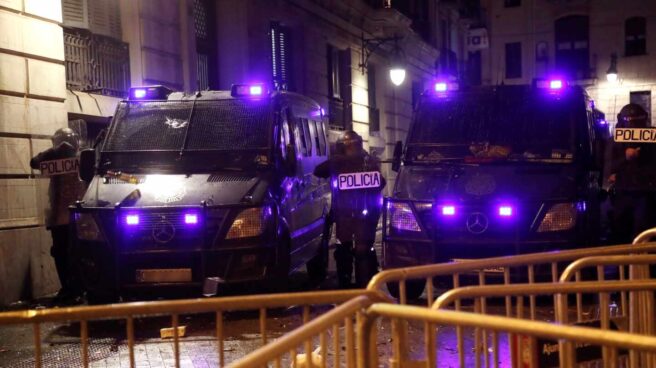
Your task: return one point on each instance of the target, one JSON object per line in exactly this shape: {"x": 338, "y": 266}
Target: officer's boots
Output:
{"x": 344, "y": 264}
{"x": 366, "y": 266}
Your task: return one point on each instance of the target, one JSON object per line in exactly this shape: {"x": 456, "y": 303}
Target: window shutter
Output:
{"x": 75, "y": 13}
{"x": 104, "y": 18}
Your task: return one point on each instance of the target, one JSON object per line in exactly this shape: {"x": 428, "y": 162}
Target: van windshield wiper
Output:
{"x": 186, "y": 137}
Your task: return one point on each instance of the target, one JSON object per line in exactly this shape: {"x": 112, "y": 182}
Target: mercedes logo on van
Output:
{"x": 477, "y": 223}
{"x": 163, "y": 232}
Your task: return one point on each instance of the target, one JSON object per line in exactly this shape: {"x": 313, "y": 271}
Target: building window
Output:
{"x": 642, "y": 98}
{"x": 572, "y": 46}
{"x": 281, "y": 56}
{"x": 374, "y": 113}
{"x": 635, "y": 36}
{"x": 205, "y": 44}
{"x": 332, "y": 61}
{"x": 514, "y": 60}
{"x": 512, "y": 3}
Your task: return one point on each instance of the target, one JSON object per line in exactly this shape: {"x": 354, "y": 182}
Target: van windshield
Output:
{"x": 220, "y": 125}
{"x": 492, "y": 126}
{"x": 183, "y": 136}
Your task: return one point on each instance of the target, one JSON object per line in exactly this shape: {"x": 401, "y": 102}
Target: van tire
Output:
{"x": 101, "y": 297}
{"x": 317, "y": 267}
{"x": 413, "y": 289}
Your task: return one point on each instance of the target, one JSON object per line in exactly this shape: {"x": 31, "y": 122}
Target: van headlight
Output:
{"x": 250, "y": 222}
{"x": 402, "y": 217}
{"x": 560, "y": 217}
{"x": 87, "y": 228}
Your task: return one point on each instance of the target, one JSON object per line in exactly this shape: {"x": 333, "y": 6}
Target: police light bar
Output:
{"x": 442, "y": 87}
{"x": 247, "y": 90}
{"x": 555, "y": 84}
{"x": 149, "y": 93}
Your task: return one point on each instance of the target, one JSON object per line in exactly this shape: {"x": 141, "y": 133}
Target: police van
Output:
{"x": 493, "y": 171}
{"x": 196, "y": 191}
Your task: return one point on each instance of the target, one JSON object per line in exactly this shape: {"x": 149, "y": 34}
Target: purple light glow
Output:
{"x": 556, "y": 84}
{"x": 139, "y": 93}
{"x": 255, "y": 90}
{"x": 448, "y": 210}
{"x": 505, "y": 211}
{"x": 191, "y": 218}
{"x": 132, "y": 220}
{"x": 440, "y": 87}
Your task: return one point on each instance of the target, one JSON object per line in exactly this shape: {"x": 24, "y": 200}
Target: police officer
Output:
{"x": 63, "y": 191}
{"x": 633, "y": 177}
{"x": 355, "y": 211}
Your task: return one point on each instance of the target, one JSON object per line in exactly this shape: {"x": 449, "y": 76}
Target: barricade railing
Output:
{"x": 129, "y": 312}
{"x": 478, "y": 295}
{"x": 285, "y": 350}
{"x": 617, "y": 343}
{"x": 500, "y": 269}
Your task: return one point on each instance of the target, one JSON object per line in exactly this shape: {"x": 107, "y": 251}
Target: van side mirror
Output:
{"x": 87, "y": 164}
{"x": 290, "y": 161}
{"x": 398, "y": 151}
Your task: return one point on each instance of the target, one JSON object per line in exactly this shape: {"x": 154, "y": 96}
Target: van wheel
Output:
{"x": 279, "y": 281}
{"x": 413, "y": 289}
{"x": 98, "y": 297}
{"x": 317, "y": 267}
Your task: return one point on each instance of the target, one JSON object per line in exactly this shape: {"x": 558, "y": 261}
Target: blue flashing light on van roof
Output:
{"x": 149, "y": 93}
{"x": 555, "y": 84}
{"x": 441, "y": 87}
{"x": 247, "y": 90}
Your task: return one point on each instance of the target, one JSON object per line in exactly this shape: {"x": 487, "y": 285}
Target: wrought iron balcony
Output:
{"x": 96, "y": 63}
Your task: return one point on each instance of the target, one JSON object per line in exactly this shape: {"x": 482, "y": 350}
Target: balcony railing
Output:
{"x": 96, "y": 63}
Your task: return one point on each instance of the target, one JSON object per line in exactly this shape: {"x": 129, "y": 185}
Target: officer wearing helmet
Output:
{"x": 63, "y": 191}
{"x": 355, "y": 210}
{"x": 633, "y": 179}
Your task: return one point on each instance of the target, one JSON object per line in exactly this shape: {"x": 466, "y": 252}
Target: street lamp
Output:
{"x": 611, "y": 73}
{"x": 397, "y": 69}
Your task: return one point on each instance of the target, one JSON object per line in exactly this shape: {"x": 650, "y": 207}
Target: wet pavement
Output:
{"x": 198, "y": 348}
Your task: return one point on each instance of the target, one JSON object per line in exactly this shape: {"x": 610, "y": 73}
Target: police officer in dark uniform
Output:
{"x": 633, "y": 177}
{"x": 355, "y": 211}
{"x": 63, "y": 191}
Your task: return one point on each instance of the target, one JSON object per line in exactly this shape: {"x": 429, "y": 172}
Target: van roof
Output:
{"x": 225, "y": 95}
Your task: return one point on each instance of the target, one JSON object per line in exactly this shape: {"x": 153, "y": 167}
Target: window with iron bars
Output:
{"x": 96, "y": 63}
{"x": 205, "y": 44}
{"x": 281, "y": 54}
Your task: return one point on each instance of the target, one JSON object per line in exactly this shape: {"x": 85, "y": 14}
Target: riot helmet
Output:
{"x": 65, "y": 135}
{"x": 352, "y": 143}
{"x": 632, "y": 116}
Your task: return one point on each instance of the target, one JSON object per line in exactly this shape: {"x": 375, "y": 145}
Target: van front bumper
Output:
{"x": 123, "y": 272}
{"x": 407, "y": 253}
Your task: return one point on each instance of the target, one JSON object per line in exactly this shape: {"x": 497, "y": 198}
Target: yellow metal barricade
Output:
{"x": 131, "y": 312}
{"x": 478, "y": 295}
{"x": 497, "y": 269}
{"x": 615, "y": 342}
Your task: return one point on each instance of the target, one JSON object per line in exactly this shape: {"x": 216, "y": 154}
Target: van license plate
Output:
{"x": 163, "y": 275}
{"x": 359, "y": 180}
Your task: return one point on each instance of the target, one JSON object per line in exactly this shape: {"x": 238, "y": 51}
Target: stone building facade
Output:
{"x": 577, "y": 39}
{"x": 69, "y": 60}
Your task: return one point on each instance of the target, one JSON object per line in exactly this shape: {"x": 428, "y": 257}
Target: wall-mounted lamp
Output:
{"x": 397, "y": 69}
{"x": 611, "y": 73}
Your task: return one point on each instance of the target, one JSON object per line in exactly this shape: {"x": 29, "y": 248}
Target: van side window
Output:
{"x": 320, "y": 138}
{"x": 285, "y": 138}
{"x": 301, "y": 140}
{"x": 306, "y": 136}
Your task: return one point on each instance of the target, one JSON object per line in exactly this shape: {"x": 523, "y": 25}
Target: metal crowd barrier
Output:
{"x": 283, "y": 351}
{"x": 129, "y": 312}
{"x": 479, "y": 296}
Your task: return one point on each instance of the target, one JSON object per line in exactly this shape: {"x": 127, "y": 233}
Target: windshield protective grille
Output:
{"x": 215, "y": 125}
{"x": 242, "y": 126}
{"x": 149, "y": 126}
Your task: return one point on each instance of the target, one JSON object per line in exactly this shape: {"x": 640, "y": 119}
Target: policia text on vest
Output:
{"x": 635, "y": 135}
{"x": 359, "y": 180}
